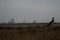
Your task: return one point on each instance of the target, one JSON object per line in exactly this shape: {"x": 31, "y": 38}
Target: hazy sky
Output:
{"x": 29, "y": 10}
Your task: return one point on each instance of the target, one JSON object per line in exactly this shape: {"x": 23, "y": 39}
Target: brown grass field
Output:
{"x": 29, "y": 32}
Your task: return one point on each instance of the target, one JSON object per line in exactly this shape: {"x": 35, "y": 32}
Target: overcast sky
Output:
{"x": 29, "y": 10}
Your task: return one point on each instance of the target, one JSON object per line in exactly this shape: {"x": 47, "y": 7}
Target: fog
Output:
{"x": 29, "y": 10}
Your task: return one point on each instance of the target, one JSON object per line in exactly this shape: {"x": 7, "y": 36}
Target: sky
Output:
{"x": 29, "y": 10}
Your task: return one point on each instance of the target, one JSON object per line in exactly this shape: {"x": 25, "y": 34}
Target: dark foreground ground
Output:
{"x": 30, "y": 33}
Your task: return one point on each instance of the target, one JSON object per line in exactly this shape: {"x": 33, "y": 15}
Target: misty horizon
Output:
{"x": 29, "y": 10}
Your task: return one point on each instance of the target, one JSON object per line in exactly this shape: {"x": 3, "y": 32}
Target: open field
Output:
{"x": 29, "y": 32}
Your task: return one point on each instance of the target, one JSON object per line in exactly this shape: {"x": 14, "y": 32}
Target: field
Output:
{"x": 29, "y": 32}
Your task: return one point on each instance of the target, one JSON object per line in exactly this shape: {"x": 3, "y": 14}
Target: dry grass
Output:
{"x": 30, "y": 33}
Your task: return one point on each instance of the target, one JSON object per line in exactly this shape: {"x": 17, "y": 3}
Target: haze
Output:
{"x": 29, "y": 10}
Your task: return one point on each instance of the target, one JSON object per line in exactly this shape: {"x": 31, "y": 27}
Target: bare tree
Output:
{"x": 12, "y": 20}
{"x": 24, "y": 21}
{"x": 8, "y": 22}
{"x": 34, "y": 21}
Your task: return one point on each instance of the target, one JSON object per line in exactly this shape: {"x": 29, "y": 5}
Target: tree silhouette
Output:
{"x": 12, "y": 20}
{"x": 34, "y": 21}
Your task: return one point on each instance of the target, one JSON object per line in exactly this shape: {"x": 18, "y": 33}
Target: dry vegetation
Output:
{"x": 30, "y": 33}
